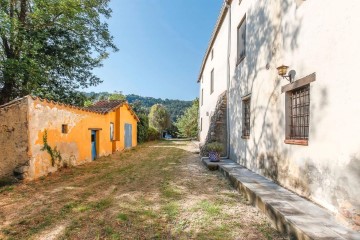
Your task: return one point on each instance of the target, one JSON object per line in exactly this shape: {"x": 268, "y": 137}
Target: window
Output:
{"x": 246, "y": 117}
{"x": 64, "y": 128}
{"x": 202, "y": 97}
{"x": 241, "y": 40}
{"x": 212, "y": 82}
{"x": 111, "y": 131}
{"x": 212, "y": 54}
{"x": 299, "y": 100}
{"x": 297, "y": 110}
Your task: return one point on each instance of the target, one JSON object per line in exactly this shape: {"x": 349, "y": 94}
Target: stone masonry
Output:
{"x": 14, "y": 138}
{"x": 218, "y": 124}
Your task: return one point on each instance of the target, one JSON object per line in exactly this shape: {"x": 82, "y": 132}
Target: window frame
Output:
{"x": 64, "y": 128}
{"x": 202, "y": 96}
{"x": 112, "y": 131}
{"x": 246, "y": 117}
{"x": 238, "y": 52}
{"x": 289, "y": 91}
{"x": 212, "y": 81}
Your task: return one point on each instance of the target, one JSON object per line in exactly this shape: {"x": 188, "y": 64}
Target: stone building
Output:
{"x": 39, "y": 136}
{"x": 298, "y": 129}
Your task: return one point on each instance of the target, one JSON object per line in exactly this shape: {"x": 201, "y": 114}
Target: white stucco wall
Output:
{"x": 310, "y": 36}
{"x": 219, "y": 64}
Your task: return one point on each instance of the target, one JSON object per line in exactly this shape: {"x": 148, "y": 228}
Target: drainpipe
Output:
{"x": 228, "y": 82}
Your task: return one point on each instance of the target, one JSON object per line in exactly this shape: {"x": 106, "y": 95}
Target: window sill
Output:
{"x": 245, "y": 137}
{"x": 297, "y": 142}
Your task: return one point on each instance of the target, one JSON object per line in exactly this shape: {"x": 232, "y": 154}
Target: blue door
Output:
{"x": 93, "y": 145}
{"x": 128, "y": 135}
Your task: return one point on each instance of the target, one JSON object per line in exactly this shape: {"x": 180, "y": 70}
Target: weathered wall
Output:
{"x": 74, "y": 146}
{"x": 218, "y": 126}
{"x": 309, "y": 36}
{"x": 219, "y": 64}
{"x": 13, "y": 136}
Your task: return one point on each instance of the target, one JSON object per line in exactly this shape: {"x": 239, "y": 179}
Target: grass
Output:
{"x": 209, "y": 208}
{"x": 6, "y": 189}
{"x": 170, "y": 192}
{"x": 171, "y": 209}
{"x": 150, "y": 192}
{"x": 102, "y": 204}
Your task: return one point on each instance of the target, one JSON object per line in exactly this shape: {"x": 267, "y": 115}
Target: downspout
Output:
{"x": 228, "y": 82}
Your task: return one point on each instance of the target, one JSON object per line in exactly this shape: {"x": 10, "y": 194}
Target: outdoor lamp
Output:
{"x": 282, "y": 70}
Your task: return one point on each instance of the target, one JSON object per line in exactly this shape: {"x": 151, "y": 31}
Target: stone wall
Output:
{"x": 218, "y": 124}
{"x": 14, "y": 137}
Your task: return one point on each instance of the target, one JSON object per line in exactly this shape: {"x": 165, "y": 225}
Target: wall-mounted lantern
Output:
{"x": 282, "y": 70}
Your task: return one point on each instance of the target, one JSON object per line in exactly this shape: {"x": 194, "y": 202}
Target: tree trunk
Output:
{"x": 7, "y": 92}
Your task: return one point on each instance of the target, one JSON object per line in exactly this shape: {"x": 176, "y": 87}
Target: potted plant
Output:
{"x": 214, "y": 150}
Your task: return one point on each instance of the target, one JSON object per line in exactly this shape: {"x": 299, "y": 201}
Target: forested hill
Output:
{"x": 175, "y": 107}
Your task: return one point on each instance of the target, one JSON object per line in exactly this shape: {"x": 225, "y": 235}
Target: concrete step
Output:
{"x": 212, "y": 166}
{"x": 289, "y": 212}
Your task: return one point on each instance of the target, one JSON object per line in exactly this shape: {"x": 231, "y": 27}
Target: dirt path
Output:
{"x": 158, "y": 190}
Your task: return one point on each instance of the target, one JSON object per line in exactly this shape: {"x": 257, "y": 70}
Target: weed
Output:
{"x": 210, "y": 208}
{"x": 149, "y": 213}
{"x": 6, "y": 189}
{"x": 266, "y": 230}
{"x": 171, "y": 209}
{"x": 169, "y": 191}
{"x": 122, "y": 217}
{"x": 219, "y": 232}
{"x": 102, "y": 204}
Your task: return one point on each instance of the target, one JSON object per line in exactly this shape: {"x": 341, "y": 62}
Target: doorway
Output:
{"x": 93, "y": 144}
{"x": 128, "y": 135}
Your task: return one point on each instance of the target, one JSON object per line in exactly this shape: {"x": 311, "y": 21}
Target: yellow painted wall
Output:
{"x": 74, "y": 146}
{"x": 127, "y": 117}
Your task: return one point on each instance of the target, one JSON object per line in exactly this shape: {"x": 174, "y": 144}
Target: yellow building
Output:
{"x": 39, "y": 136}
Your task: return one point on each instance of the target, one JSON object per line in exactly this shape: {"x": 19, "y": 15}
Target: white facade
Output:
{"x": 320, "y": 37}
{"x": 216, "y": 62}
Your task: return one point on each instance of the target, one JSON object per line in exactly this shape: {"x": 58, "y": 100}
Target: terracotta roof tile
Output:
{"x": 105, "y": 106}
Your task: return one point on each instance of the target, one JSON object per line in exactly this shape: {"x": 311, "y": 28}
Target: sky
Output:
{"x": 161, "y": 46}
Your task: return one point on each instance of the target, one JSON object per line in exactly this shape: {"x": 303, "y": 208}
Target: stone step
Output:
{"x": 289, "y": 212}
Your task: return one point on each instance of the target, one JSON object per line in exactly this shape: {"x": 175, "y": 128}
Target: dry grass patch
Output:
{"x": 158, "y": 190}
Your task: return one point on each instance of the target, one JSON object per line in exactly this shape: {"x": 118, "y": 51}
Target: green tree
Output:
{"x": 143, "y": 128}
{"x": 117, "y": 95}
{"x": 143, "y": 125}
{"x": 50, "y": 47}
{"x": 159, "y": 118}
{"x": 187, "y": 124}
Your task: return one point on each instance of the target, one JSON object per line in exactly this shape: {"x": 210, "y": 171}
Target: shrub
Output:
{"x": 143, "y": 128}
{"x": 214, "y": 147}
{"x": 153, "y": 134}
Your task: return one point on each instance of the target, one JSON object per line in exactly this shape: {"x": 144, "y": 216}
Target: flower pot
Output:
{"x": 214, "y": 157}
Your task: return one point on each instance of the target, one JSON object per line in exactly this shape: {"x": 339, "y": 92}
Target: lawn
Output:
{"x": 158, "y": 190}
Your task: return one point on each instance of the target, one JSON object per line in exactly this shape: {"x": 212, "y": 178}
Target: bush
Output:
{"x": 214, "y": 147}
{"x": 143, "y": 128}
{"x": 153, "y": 134}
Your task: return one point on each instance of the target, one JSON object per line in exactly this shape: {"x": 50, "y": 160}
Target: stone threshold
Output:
{"x": 289, "y": 213}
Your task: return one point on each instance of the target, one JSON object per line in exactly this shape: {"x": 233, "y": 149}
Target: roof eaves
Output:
{"x": 13, "y": 102}
{"x": 65, "y": 105}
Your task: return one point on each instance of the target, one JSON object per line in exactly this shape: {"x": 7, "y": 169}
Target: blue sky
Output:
{"x": 162, "y": 43}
